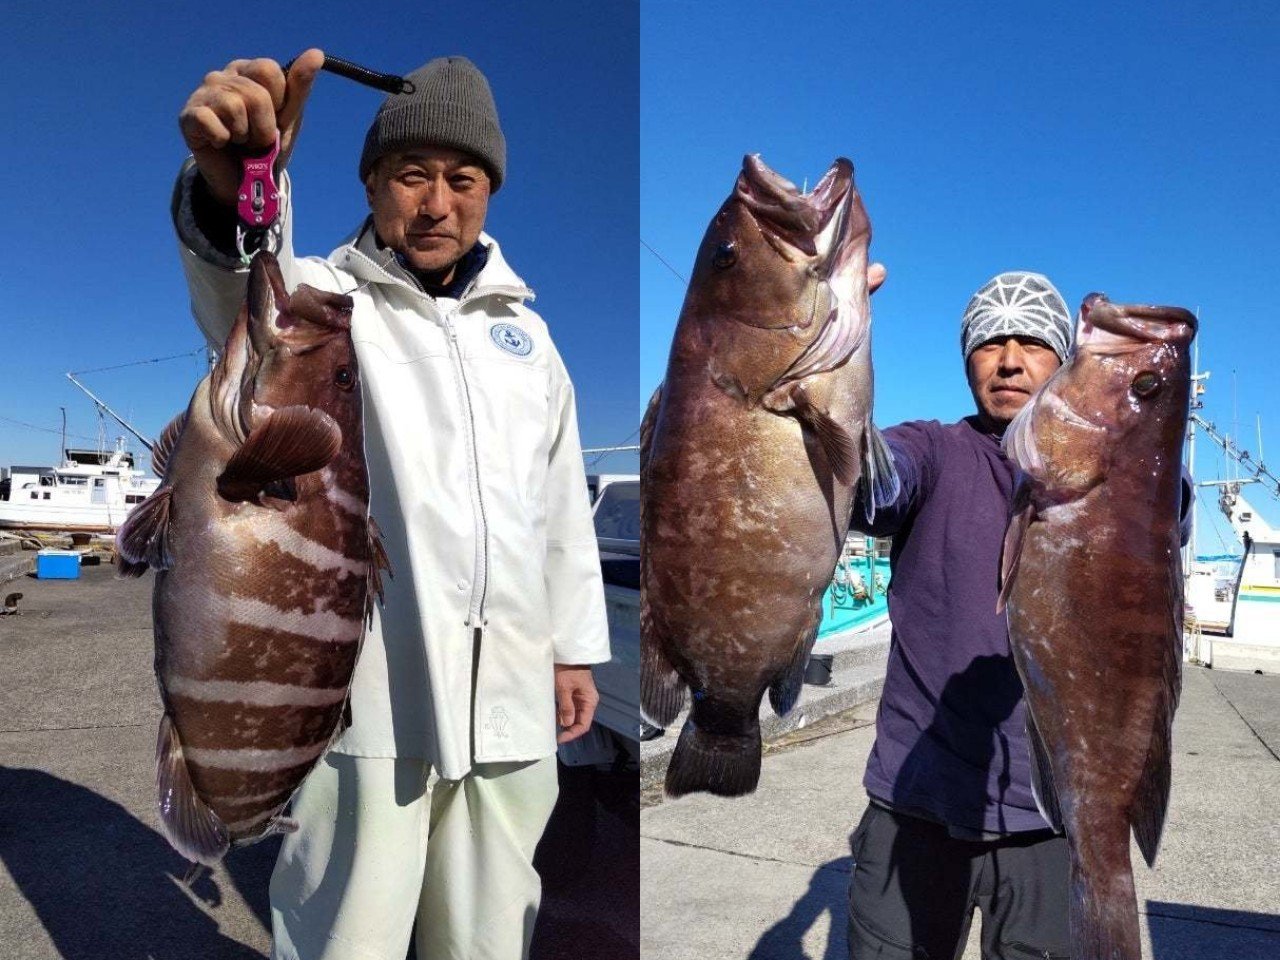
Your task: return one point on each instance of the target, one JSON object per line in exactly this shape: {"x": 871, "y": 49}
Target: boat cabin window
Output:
{"x": 1276, "y": 554}
{"x": 133, "y": 498}
{"x": 98, "y": 483}
{"x": 46, "y": 481}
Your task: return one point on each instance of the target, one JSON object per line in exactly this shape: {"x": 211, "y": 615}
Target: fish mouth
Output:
{"x": 304, "y": 320}
{"x": 1103, "y": 323}
{"x": 820, "y": 223}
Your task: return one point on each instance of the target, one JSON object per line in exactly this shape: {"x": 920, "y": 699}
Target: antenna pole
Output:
{"x": 149, "y": 444}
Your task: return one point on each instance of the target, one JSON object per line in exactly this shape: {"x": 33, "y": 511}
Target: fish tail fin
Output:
{"x": 1104, "y": 907}
{"x": 706, "y": 759}
{"x": 191, "y": 827}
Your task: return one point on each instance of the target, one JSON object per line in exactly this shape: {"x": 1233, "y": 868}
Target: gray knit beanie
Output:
{"x": 451, "y": 106}
{"x": 1017, "y": 304}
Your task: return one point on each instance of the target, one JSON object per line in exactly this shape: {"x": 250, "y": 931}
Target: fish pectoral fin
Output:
{"x": 191, "y": 827}
{"x": 837, "y": 444}
{"x": 289, "y": 442}
{"x": 143, "y": 539}
{"x": 1042, "y": 788}
{"x": 163, "y": 450}
{"x": 879, "y": 485}
{"x": 1023, "y": 512}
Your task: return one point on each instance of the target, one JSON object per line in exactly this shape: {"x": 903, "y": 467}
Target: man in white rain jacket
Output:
{"x": 430, "y": 805}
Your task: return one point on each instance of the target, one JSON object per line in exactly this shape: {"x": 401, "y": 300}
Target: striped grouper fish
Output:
{"x": 266, "y": 564}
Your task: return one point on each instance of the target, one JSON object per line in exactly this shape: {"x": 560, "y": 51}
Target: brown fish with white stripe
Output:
{"x": 267, "y": 563}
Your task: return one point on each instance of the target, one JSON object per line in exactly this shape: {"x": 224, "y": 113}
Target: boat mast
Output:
{"x": 1197, "y": 390}
{"x": 149, "y": 444}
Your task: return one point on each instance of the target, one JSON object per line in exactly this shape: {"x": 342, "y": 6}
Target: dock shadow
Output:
{"x": 1181, "y": 931}
{"x": 828, "y": 894}
{"x": 103, "y": 883}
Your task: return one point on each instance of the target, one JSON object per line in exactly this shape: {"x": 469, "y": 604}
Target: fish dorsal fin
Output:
{"x": 1151, "y": 799}
{"x": 289, "y": 442}
{"x": 378, "y": 561}
{"x": 646, "y": 427}
{"x": 839, "y": 447}
{"x": 1042, "y": 788}
{"x": 163, "y": 450}
{"x": 879, "y": 485}
{"x": 1022, "y": 513}
{"x": 143, "y": 539}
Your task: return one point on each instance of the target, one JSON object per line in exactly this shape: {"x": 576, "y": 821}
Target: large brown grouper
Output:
{"x": 750, "y": 453}
{"x": 1093, "y": 586}
{"x": 266, "y": 563}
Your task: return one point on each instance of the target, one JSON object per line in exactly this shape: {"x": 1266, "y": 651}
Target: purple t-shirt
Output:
{"x": 951, "y": 739}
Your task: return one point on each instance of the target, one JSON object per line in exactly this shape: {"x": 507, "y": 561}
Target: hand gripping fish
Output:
{"x": 750, "y": 454}
{"x": 1092, "y": 582}
{"x": 266, "y": 564}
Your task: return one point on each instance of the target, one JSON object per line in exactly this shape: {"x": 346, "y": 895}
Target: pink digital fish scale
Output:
{"x": 258, "y": 199}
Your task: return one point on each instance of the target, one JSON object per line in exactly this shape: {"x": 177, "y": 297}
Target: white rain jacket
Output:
{"x": 477, "y": 482}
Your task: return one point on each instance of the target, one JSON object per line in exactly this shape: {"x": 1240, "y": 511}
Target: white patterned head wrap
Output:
{"x": 1017, "y": 304}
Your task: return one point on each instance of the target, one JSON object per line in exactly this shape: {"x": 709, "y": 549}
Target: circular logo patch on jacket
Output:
{"x": 511, "y": 339}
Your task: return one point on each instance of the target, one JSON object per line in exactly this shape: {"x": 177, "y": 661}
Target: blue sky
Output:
{"x": 91, "y": 146}
{"x": 1128, "y": 148}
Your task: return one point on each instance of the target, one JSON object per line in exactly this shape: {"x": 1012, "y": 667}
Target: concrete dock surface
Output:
{"x": 85, "y": 873}
{"x": 765, "y": 877}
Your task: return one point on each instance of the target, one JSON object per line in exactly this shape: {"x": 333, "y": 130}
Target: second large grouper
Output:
{"x": 1093, "y": 586}
{"x": 266, "y": 563}
{"x": 750, "y": 453}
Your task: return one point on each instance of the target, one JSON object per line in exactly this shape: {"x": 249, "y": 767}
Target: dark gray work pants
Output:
{"x": 914, "y": 888}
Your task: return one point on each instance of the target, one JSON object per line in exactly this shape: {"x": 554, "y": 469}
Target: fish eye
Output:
{"x": 726, "y": 255}
{"x": 1146, "y": 383}
{"x": 344, "y": 378}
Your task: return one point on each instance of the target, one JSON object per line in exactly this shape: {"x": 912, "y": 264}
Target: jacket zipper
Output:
{"x": 480, "y": 584}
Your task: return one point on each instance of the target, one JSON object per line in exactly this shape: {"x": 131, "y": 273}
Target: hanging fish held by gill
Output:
{"x": 1092, "y": 582}
{"x": 267, "y": 563}
{"x": 751, "y": 452}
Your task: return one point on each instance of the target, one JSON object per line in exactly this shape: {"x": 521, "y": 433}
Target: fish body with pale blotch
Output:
{"x": 1092, "y": 582}
{"x": 750, "y": 454}
{"x": 266, "y": 566}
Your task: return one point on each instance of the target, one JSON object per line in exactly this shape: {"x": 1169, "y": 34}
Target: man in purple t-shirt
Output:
{"x": 952, "y": 824}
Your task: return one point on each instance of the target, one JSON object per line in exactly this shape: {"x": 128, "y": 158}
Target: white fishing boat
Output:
{"x": 91, "y": 492}
{"x": 1233, "y": 600}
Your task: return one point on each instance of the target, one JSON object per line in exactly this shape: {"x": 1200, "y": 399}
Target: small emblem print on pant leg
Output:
{"x": 497, "y": 723}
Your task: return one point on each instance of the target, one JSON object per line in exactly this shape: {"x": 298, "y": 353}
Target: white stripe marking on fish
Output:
{"x": 254, "y": 693}
{"x": 271, "y": 527}
{"x": 321, "y": 625}
{"x": 251, "y": 758}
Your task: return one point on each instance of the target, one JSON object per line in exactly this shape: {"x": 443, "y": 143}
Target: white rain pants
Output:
{"x": 381, "y": 843}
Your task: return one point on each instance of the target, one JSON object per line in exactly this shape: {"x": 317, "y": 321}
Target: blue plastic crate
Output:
{"x": 57, "y": 565}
